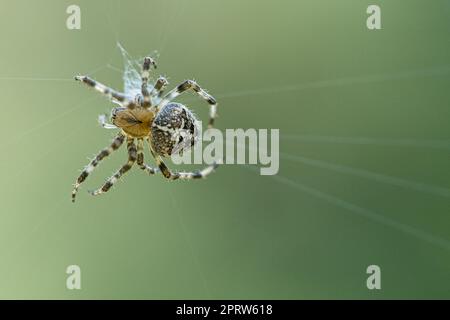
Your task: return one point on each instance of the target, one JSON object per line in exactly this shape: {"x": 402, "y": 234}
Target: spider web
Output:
{"x": 131, "y": 72}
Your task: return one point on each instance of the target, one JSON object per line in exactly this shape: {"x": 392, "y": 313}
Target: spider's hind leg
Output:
{"x": 132, "y": 156}
{"x": 140, "y": 159}
{"x": 173, "y": 175}
{"x": 117, "y": 142}
{"x": 192, "y": 85}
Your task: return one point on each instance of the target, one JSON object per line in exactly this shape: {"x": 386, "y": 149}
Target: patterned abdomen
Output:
{"x": 174, "y": 130}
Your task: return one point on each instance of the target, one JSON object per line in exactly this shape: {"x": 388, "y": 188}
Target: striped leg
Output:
{"x": 190, "y": 84}
{"x": 132, "y": 155}
{"x": 102, "y": 121}
{"x": 140, "y": 159}
{"x": 159, "y": 87}
{"x": 148, "y": 62}
{"x": 197, "y": 174}
{"x": 117, "y": 142}
{"x": 106, "y": 91}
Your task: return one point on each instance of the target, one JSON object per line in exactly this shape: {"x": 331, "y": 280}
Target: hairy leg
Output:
{"x": 132, "y": 155}
{"x": 148, "y": 62}
{"x": 173, "y": 175}
{"x": 107, "y": 91}
{"x": 140, "y": 159}
{"x": 102, "y": 121}
{"x": 192, "y": 85}
{"x": 158, "y": 88}
{"x": 117, "y": 142}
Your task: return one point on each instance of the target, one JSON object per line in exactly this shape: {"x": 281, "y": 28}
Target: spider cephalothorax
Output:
{"x": 168, "y": 127}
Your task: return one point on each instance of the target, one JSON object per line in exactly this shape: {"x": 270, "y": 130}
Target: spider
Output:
{"x": 151, "y": 117}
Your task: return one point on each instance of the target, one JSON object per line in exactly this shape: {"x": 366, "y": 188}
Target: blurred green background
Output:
{"x": 365, "y": 142}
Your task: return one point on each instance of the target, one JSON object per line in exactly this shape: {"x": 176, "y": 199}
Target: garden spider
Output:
{"x": 151, "y": 117}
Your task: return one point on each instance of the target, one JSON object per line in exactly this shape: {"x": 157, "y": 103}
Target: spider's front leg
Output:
{"x": 132, "y": 156}
{"x": 158, "y": 88}
{"x": 110, "y": 93}
{"x": 192, "y": 85}
{"x": 145, "y": 74}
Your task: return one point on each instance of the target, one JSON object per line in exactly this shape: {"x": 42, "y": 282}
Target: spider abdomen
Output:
{"x": 174, "y": 130}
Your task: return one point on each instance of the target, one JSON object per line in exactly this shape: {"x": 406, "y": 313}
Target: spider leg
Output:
{"x": 117, "y": 142}
{"x": 192, "y": 85}
{"x": 106, "y": 91}
{"x": 104, "y": 124}
{"x": 159, "y": 87}
{"x": 148, "y": 62}
{"x": 171, "y": 175}
{"x": 140, "y": 159}
{"x": 132, "y": 155}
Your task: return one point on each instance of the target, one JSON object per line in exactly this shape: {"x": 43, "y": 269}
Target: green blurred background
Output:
{"x": 365, "y": 142}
